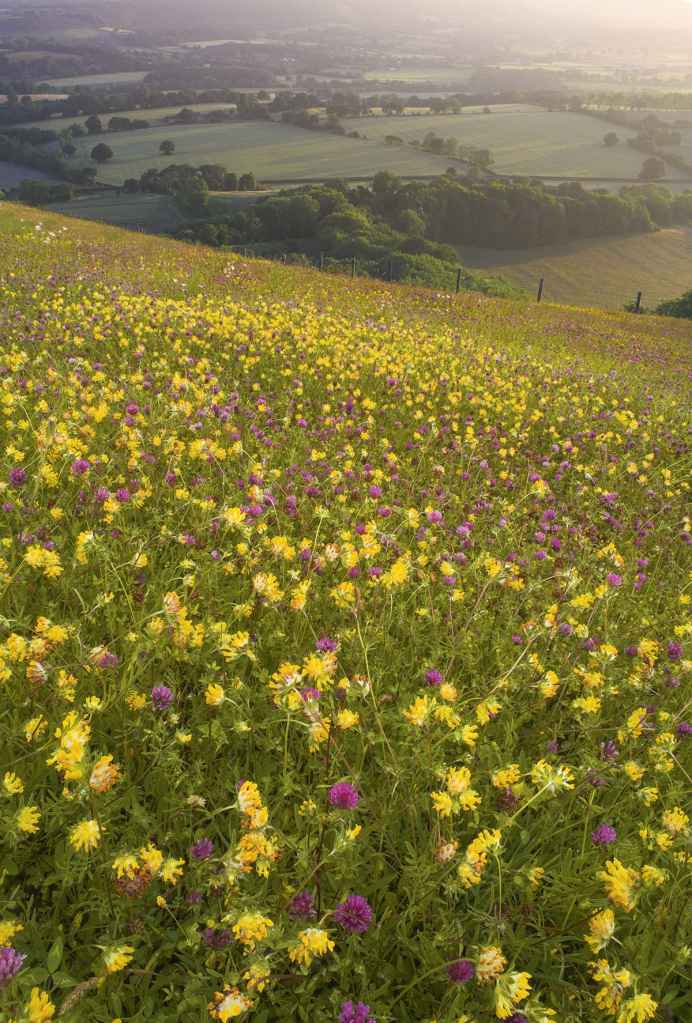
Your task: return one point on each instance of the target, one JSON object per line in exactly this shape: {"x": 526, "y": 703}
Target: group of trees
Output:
{"x": 190, "y": 186}
{"x": 83, "y": 101}
{"x": 480, "y": 158}
{"x": 40, "y": 193}
{"x": 45, "y": 152}
{"x": 417, "y": 218}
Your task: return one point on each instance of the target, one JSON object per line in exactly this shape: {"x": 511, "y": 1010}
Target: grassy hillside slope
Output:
{"x": 343, "y": 645}
{"x": 604, "y": 272}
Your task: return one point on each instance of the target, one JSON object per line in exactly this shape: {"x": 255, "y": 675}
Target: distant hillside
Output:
{"x": 603, "y": 272}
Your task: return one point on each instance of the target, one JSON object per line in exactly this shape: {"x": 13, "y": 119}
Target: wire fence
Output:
{"x": 458, "y": 279}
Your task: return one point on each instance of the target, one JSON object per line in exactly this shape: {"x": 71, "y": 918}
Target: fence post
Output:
{"x": 540, "y": 289}
{"x": 353, "y": 267}
{"x": 458, "y": 280}
{"x": 321, "y": 260}
{"x": 389, "y": 270}
{"x": 638, "y": 303}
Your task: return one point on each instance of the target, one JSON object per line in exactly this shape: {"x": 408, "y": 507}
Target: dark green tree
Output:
{"x": 653, "y": 169}
{"x": 102, "y": 153}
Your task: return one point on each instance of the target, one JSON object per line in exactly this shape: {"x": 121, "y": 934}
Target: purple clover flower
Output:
{"x": 303, "y": 905}
{"x": 604, "y": 835}
{"x": 325, "y": 644}
{"x": 108, "y": 660}
{"x": 161, "y": 697}
{"x": 354, "y": 914}
{"x": 344, "y": 796}
{"x": 216, "y": 939}
{"x": 10, "y": 964}
{"x": 202, "y": 849}
{"x": 17, "y": 477}
{"x": 358, "y": 1013}
{"x": 462, "y": 971}
{"x": 674, "y": 651}
{"x": 433, "y": 677}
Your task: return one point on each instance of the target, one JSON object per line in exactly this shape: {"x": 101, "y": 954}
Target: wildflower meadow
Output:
{"x": 343, "y": 647}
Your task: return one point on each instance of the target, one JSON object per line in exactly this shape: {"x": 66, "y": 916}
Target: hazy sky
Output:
{"x": 576, "y": 17}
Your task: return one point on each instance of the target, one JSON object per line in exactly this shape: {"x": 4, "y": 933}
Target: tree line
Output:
{"x": 448, "y": 211}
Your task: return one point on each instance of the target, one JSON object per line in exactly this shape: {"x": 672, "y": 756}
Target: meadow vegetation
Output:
{"x": 344, "y": 644}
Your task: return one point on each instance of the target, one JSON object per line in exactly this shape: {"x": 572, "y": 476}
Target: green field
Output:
{"x": 116, "y": 77}
{"x": 271, "y": 151}
{"x": 536, "y": 142}
{"x": 416, "y": 73}
{"x": 605, "y": 273}
{"x": 149, "y": 212}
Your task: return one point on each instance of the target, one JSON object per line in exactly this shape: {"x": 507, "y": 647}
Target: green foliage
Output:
{"x": 40, "y": 193}
{"x": 679, "y": 307}
{"x": 192, "y": 195}
{"x": 653, "y": 169}
{"x": 101, "y": 153}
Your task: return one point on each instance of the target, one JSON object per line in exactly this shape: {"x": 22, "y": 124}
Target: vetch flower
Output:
{"x": 85, "y": 836}
{"x": 313, "y": 942}
{"x": 27, "y": 819}
{"x": 117, "y": 958}
{"x": 229, "y": 1004}
{"x": 39, "y": 1008}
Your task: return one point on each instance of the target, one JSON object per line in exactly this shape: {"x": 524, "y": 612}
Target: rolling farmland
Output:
{"x": 522, "y": 142}
{"x": 271, "y": 151}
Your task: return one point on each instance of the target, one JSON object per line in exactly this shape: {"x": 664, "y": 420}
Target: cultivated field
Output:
{"x": 598, "y": 272}
{"x": 107, "y": 78}
{"x": 269, "y": 150}
{"x": 149, "y": 212}
{"x": 523, "y": 142}
{"x": 415, "y": 73}
{"x": 344, "y": 646}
